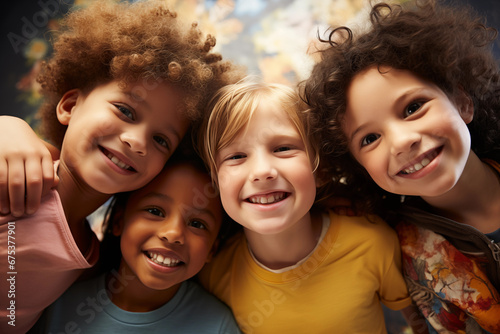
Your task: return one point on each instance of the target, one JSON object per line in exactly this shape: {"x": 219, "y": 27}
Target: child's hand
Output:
{"x": 26, "y": 167}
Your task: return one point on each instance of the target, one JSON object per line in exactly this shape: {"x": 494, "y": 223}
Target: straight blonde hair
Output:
{"x": 232, "y": 109}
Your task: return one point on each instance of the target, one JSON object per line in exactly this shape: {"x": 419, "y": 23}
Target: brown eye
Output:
{"x": 412, "y": 108}
{"x": 367, "y": 140}
{"x": 197, "y": 224}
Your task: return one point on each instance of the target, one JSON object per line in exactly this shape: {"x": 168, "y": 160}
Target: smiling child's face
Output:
{"x": 170, "y": 227}
{"x": 118, "y": 138}
{"x": 406, "y": 132}
{"x": 265, "y": 174}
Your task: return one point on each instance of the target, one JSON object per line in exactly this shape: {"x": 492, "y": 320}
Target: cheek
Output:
{"x": 230, "y": 181}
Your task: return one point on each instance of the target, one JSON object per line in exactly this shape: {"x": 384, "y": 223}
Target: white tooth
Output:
{"x": 425, "y": 162}
{"x": 263, "y": 200}
{"x": 418, "y": 166}
{"x": 270, "y": 199}
{"x": 115, "y": 160}
{"x": 159, "y": 258}
{"x": 166, "y": 261}
{"x": 254, "y": 200}
{"x": 155, "y": 256}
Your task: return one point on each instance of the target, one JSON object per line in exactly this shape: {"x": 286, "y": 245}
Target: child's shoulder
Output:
{"x": 365, "y": 228}
{"x": 209, "y": 310}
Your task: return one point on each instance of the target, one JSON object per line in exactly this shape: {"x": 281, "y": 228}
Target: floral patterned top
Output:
{"x": 451, "y": 289}
{"x": 449, "y": 281}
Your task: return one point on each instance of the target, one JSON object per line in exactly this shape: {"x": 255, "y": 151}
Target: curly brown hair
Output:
{"x": 128, "y": 42}
{"x": 448, "y": 46}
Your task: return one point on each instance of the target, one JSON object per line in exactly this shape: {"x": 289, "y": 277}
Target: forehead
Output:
{"x": 182, "y": 184}
{"x": 268, "y": 118}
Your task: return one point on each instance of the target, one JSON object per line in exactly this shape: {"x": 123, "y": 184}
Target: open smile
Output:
{"x": 268, "y": 198}
{"x": 163, "y": 260}
{"x": 422, "y": 161}
{"x": 114, "y": 159}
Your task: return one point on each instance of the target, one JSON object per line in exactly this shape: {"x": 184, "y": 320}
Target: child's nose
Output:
{"x": 172, "y": 230}
{"x": 136, "y": 140}
{"x": 403, "y": 139}
{"x": 262, "y": 168}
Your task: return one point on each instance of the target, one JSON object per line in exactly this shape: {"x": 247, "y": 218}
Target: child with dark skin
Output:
{"x": 411, "y": 108}
{"x": 125, "y": 84}
{"x": 155, "y": 239}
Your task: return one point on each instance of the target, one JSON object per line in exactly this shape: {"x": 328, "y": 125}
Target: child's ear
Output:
{"x": 66, "y": 104}
{"x": 215, "y": 246}
{"x": 117, "y": 223}
{"x": 465, "y": 106}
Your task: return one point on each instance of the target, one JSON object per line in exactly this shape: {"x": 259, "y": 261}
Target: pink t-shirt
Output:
{"x": 39, "y": 260}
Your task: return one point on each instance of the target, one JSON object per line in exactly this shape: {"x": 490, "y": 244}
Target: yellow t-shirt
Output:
{"x": 337, "y": 289}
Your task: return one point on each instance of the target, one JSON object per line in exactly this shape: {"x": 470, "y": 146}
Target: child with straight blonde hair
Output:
{"x": 294, "y": 268}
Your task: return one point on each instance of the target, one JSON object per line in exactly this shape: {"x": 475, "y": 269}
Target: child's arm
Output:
{"x": 26, "y": 167}
{"x": 415, "y": 319}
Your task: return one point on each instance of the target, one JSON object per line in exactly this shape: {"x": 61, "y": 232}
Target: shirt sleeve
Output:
{"x": 393, "y": 290}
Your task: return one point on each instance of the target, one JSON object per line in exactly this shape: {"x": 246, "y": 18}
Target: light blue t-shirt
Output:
{"x": 86, "y": 308}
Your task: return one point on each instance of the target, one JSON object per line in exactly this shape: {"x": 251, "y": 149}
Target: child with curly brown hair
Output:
{"x": 411, "y": 108}
{"x": 125, "y": 84}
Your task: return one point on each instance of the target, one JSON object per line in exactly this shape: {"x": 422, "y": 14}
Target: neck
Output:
{"x": 131, "y": 295}
{"x": 78, "y": 201}
{"x": 284, "y": 249}
{"x": 474, "y": 200}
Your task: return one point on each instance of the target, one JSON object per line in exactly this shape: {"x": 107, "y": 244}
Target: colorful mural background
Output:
{"x": 274, "y": 39}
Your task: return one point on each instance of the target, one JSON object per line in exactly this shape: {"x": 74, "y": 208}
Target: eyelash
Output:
{"x": 159, "y": 213}
{"x": 125, "y": 111}
{"x": 167, "y": 143}
{"x": 204, "y": 227}
{"x": 419, "y": 103}
{"x": 156, "y": 212}
{"x": 242, "y": 156}
{"x": 129, "y": 114}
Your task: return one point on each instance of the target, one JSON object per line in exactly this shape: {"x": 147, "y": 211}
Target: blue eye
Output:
{"x": 125, "y": 111}
{"x": 236, "y": 157}
{"x": 367, "y": 140}
{"x": 412, "y": 108}
{"x": 155, "y": 212}
{"x": 197, "y": 224}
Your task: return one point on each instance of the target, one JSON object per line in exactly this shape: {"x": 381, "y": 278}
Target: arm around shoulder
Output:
{"x": 26, "y": 167}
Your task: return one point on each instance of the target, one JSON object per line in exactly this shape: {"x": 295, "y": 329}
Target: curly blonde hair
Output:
{"x": 128, "y": 42}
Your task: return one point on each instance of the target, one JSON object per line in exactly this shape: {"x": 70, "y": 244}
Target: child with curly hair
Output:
{"x": 411, "y": 108}
{"x": 125, "y": 83}
{"x": 155, "y": 239}
{"x": 295, "y": 268}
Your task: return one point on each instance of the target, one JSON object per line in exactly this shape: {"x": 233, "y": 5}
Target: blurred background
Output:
{"x": 274, "y": 39}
